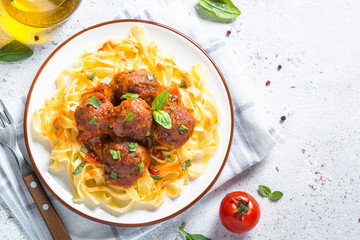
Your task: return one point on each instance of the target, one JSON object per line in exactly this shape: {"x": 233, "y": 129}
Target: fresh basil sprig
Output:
{"x": 160, "y": 101}
{"x": 189, "y": 236}
{"x": 14, "y": 51}
{"x": 224, "y": 9}
{"x": 266, "y": 192}
{"x": 161, "y": 117}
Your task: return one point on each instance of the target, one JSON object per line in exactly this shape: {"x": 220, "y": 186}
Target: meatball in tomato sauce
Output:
{"x": 140, "y": 81}
{"x": 93, "y": 114}
{"x": 132, "y": 118}
{"x": 183, "y": 124}
{"x": 125, "y": 162}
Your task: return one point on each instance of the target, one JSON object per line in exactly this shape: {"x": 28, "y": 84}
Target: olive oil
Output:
{"x": 39, "y": 13}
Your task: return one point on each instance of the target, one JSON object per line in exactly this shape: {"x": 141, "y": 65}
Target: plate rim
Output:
{"x": 111, "y": 222}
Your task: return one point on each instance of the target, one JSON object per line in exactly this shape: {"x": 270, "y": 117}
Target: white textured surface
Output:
{"x": 317, "y": 43}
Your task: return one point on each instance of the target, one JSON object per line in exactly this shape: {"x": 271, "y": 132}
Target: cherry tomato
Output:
{"x": 239, "y": 212}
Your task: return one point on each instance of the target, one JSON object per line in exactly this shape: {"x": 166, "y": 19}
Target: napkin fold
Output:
{"x": 253, "y": 137}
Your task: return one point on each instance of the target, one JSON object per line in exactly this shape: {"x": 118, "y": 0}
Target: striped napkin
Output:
{"x": 253, "y": 139}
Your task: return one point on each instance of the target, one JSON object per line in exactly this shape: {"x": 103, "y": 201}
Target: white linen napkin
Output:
{"x": 253, "y": 136}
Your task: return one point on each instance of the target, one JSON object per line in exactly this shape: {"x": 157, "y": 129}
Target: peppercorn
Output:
{"x": 283, "y": 118}
{"x": 36, "y": 38}
{"x": 279, "y": 67}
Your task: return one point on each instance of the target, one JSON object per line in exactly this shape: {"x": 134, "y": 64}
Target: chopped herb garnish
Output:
{"x": 133, "y": 146}
{"x": 115, "y": 154}
{"x": 183, "y": 85}
{"x": 113, "y": 175}
{"x": 129, "y": 117}
{"x": 84, "y": 150}
{"x": 141, "y": 166}
{"x": 75, "y": 158}
{"x": 169, "y": 158}
{"x": 186, "y": 164}
{"x": 92, "y": 121}
{"x": 147, "y": 133}
{"x": 94, "y": 101}
{"x": 92, "y": 76}
{"x": 129, "y": 95}
{"x": 182, "y": 129}
{"x": 173, "y": 100}
{"x": 149, "y": 77}
{"x": 57, "y": 127}
{"x": 79, "y": 168}
{"x": 106, "y": 80}
{"x": 156, "y": 177}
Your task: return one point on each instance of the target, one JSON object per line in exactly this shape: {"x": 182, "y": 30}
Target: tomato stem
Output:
{"x": 242, "y": 207}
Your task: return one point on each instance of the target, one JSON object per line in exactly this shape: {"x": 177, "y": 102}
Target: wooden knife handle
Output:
{"x": 52, "y": 220}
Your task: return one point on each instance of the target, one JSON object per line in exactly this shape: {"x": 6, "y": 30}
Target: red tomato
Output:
{"x": 239, "y": 216}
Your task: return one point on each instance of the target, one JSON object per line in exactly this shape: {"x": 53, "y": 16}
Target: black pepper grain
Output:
{"x": 279, "y": 67}
{"x": 283, "y": 118}
{"x": 36, "y": 38}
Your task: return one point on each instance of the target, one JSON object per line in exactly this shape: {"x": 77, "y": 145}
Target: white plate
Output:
{"x": 187, "y": 53}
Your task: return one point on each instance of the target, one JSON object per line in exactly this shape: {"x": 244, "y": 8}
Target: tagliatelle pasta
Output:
{"x": 54, "y": 121}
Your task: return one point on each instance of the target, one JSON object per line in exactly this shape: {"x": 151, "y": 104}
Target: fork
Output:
{"x": 8, "y": 137}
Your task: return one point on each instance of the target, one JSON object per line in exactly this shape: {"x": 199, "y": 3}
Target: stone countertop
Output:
{"x": 317, "y": 89}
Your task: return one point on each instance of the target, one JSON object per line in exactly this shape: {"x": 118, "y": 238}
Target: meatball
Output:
{"x": 133, "y": 118}
{"x": 93, "y": 113}
{"x": 140, "y": 81}
{"x": 183, "y": 124}
{"x": 128, "y": 165}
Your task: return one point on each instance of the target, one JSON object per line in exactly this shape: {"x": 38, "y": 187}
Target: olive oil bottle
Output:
{"x": 39, "y": 13}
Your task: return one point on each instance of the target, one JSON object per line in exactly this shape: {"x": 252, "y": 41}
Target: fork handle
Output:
{"x": 52, "y": 220}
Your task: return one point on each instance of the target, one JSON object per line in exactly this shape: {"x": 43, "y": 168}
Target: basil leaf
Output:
{"x": 162, "y": 118}
{"x": 79, "y": 168}
{"x": 169, "y": 158}
{"x": 92, "y": 121}
{"x": 84, "y": 150}
{"x": 141, "y": 166}
{"x": 112, "y": 175}
{"x": 186, "y": 164}
{"x": 57, "y": 127}
{"x": 182, "y": 129}
{"x": 129, "y": 95}
{"x": 156, "y": 177}
{"x": 183, "y": 85}
{"x": 189, "y": 236}
{"x": 220, "y": 8}
{"x": 92, "y": 76}
{"x": 129, "y": 117}
{"x": 173, "y": 100}
{"x": 265, "y": 191}
{"x": 148, "y": 133}
{"x": 14, "y": 51}
{"x": 115, "y": 154}
{"x": 75, "y": 158}
{"x": 160, "y": 101}
{"x": 276, "y": 195}
{"x": 106, "y": 80}
{"x": 133, "y": 146}
{"x": 94, "y": 101}
{"x": 149, "y": 77}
